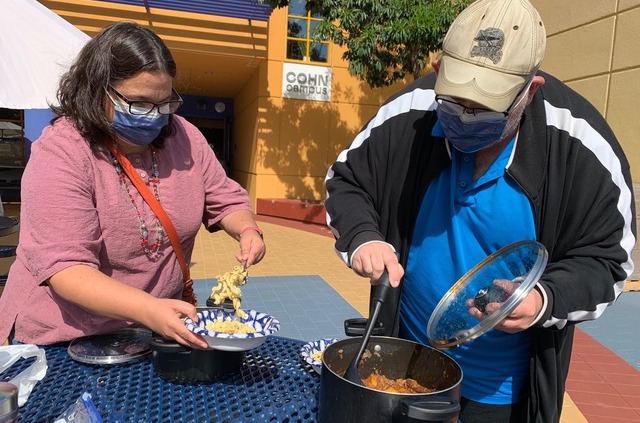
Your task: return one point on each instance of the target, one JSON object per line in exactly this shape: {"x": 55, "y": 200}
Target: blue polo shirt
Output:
{"x": 461, "y": 221}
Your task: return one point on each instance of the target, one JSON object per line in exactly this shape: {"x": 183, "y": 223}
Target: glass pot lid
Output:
{"x": 116, "y": 347}
{"x": 505, "y": 277}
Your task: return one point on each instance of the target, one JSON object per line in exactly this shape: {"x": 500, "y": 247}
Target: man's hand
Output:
{"x": 371, "y": 259}
{"x": 521, "y": 317}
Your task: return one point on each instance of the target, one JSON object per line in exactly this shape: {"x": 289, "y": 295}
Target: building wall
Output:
{"x": 283, "y": 146}
{"x": 594, "y": 46}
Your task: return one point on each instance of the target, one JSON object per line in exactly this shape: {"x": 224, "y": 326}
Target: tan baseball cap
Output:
{"x": 490, "y": 51}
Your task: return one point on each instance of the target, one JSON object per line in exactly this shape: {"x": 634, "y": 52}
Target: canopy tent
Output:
{"x": 37, "y": 47}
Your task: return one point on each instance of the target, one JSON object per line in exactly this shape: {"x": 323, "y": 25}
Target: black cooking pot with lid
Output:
{"x": 342, "y": 401}
{"x": 181, "y": 364}
{"x": 504, "y": 278}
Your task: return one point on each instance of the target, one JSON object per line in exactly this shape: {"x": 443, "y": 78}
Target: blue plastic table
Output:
{"x": 273, "y": 385}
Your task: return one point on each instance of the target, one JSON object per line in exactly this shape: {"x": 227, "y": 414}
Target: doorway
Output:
{"x": 218, "y": 135}
{"x": 213, "y": 116}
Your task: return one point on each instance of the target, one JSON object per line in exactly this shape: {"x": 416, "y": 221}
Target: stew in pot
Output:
{"x": 400, "y": 386}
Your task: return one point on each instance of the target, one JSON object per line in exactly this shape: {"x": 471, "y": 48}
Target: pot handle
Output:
{"x": 225, "y": 305}
{"x": 435, "y": 408}
{"x": 162, "y": 345}
{"x": 356, "y": 326}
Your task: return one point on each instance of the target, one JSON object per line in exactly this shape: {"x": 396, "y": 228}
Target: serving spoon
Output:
{"x": 352, "y": 374}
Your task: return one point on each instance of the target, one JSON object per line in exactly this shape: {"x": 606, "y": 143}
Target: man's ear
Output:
{"x": 435, "y": 65}
{"x": 537, "y": 82}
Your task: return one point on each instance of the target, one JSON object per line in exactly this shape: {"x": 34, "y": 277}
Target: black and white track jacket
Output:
{"x": 567, "y": 161}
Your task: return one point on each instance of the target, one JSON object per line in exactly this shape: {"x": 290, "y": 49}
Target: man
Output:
{"x": 482, "y": 153}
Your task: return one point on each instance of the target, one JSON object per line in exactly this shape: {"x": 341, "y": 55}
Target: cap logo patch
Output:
{"x": 490, "y": 42}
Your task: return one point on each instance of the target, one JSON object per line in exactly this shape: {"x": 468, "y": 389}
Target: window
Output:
{"x": 11, "y": 137}
{"x": 300, "y": 32}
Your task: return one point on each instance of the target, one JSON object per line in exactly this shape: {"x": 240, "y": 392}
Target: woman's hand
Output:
{"x": 242, "y": 226}
{"x": 166, "y": 318}
{"x": 252, "y": 248}
{"x": 101, "y": 295}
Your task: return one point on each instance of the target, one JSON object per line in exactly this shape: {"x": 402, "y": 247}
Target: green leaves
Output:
{"x": 384, "y": 39}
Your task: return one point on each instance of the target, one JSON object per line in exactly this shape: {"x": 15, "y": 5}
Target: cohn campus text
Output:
{"x": 306, "y": 83}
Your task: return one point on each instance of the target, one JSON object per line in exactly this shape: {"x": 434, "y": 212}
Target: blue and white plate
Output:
{"x": 264, "y": 325}
{"x": 309, "y": 349}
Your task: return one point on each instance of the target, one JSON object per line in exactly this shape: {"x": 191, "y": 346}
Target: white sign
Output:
{"x": 306, "y": 82}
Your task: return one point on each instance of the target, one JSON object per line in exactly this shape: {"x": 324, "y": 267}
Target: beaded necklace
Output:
{"x": 153, "y": 251}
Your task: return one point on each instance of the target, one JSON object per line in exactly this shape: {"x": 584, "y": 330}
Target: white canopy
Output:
{"x": 36, "y": 48}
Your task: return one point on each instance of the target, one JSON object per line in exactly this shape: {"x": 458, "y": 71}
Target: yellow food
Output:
{"x": 228, "y": 287}
{"x": 229, "y": 326}
{"x": 317, "y": 356}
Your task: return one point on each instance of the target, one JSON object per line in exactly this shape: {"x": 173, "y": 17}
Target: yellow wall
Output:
{"x": 283, "y": 146}
{"x": 594, "y": 46}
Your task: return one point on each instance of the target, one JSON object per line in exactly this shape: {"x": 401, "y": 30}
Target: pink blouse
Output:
{"x": 74, "y": 210}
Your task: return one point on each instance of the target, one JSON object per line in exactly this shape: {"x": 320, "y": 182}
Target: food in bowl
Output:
{"x": 312, "y": 352}
{"x": 400, "y": 386}
{"x": 262, "y": 323}
{"x": 229, "y": 326}
{"x": 228, "y": 288}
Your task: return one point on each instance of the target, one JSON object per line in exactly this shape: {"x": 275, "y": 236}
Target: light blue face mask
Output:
{"x": 471, "y": 132}
{"x": 470, "y": 136}
{"x": 138, "y": 129}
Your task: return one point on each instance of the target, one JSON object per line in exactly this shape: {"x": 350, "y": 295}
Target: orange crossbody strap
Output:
{"x": 187, "y": 293}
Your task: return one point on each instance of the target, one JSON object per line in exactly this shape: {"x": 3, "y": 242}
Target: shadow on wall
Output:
{"x": 306, "y": 137}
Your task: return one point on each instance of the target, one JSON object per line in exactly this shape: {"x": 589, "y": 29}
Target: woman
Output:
{"x": 93, "y": 256}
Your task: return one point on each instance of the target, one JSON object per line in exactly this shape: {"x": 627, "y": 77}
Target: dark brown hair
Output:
{"x": 118, "y": 52}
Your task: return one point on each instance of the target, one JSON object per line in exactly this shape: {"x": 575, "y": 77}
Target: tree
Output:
{"x": 385, "y": 40}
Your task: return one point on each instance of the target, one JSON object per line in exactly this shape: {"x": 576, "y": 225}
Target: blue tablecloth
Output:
{"x": 273, "y": 385}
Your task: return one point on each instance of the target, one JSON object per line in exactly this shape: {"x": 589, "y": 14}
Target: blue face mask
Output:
{"x": 138, "y": 129}
{"x": 469, "y": 135}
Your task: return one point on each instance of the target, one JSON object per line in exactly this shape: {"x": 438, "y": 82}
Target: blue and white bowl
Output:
{"x": 264, "y": 325}
{"x": 309, "y": 349}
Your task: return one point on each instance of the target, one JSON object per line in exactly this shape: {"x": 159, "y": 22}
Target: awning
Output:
{"x": 36, "y": 48}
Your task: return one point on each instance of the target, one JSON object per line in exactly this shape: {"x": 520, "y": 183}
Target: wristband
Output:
{"x": 251, "y": 228}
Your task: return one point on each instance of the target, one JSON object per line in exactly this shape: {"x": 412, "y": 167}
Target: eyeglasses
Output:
{"x": 480, "y": 113}
{"x": 454, "y": 108}
{"x": 141, "y": 107}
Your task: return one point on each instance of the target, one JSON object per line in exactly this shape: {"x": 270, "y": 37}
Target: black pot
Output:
{"x": 181, "y": 364}
{"x": 345, "y": 401}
